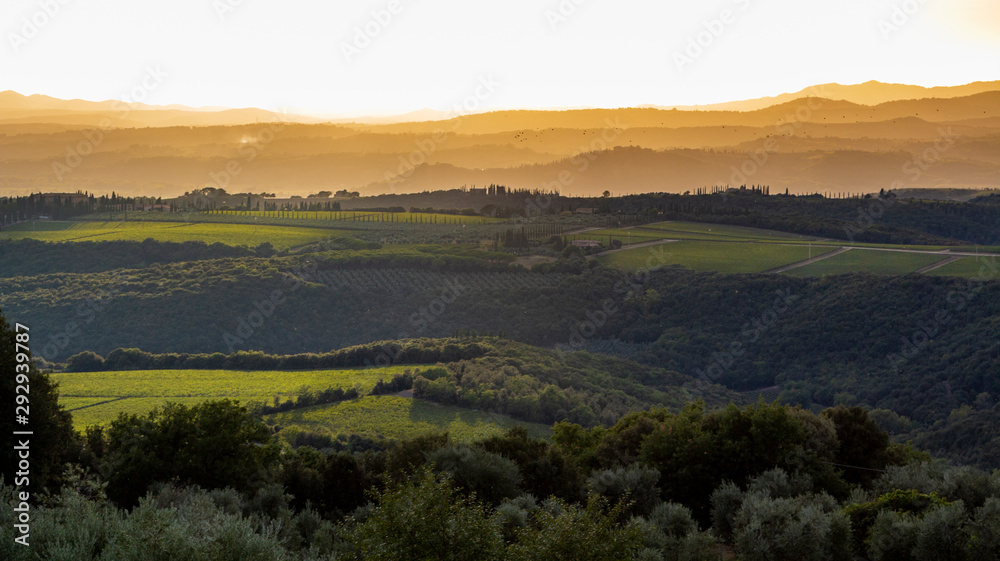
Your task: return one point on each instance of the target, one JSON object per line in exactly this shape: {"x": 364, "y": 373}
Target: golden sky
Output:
{"x": 341, "y": 58}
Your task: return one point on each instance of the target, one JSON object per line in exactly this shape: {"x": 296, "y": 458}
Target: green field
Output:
{"x": 251, "y": 235}
{"x": 138, "y": 391}
{"x": 106, "y": 412}
{"x": 982, "y": 268}
{"x": 74, "y": 403}
{"x": 686, "y": 231}
{"x": 625, "y": 235}
{"x": 868, "y": 261}
{"x": 723, "y": 257}
{"x": 689, "y": 230}
{"x": 360, "y": 216}
{"x": 395, "y": 417}
{"x": 97, "y": 398}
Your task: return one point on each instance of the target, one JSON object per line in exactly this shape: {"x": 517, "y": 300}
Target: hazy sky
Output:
{"x": 358, "y": 57}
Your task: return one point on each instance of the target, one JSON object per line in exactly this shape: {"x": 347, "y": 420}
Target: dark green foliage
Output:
{"x": 415, "y": 351}
{"x": 864, "y": 447}
{"x": 399, "y": 382}
{"x": 863, "y": 515}
{"x": 984, "y": 532}
{"x": 491, "y": 477}
{"x": 53, "y": 442}
{"x": 332, "y": 483}
{"x": 872, "y": 220}
{"x": 785, "y": 529}
{"x": 215, "y": 444}
{"x": 567, "y": 532}
{"x": 545, "y": 469}
{"x": 634, "y": 486}
{"x": 87, "y": 361}
{"x": 427, "y": 520}
{"x": 32, "y": 257}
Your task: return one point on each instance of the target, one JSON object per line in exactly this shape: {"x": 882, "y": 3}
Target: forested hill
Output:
{"x": 915, "y": 345}
{"x": 878, "y": 219}
{"x": 483, "y": 373}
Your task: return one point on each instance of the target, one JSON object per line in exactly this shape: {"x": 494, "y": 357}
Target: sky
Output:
{"x": 389, "y": 57}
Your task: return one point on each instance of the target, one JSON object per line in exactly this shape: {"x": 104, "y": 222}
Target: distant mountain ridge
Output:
{"x": 14, "y": 105}
{"x": 868, "y": 93}
{"x": 804, "y": 145}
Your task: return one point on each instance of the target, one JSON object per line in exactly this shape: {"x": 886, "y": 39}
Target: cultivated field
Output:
{"x": 281, "y": 237}
{"x": 686, "y": 230}
{"x": 868, "y": 261}
{"x": 395, "y": 417}
{"x": 724, "y": 257}
{"x": 359, "y": 216}
{"x": 982, "y": 268}
{"x": 138, "y": 391}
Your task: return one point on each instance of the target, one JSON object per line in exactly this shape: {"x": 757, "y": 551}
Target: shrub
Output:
{"x": 491, "y": 477}
{"x": 778, "y": 529}
{"x": 726, "y": 502}
{"x": 984, "y": 532}
{"x": 864, "y": 515}
{"x": 634, "y": 485}
{"x": 425, "y": 518}
{"x": 562, "y": 531}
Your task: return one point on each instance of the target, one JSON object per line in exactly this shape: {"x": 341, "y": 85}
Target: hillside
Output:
{"x": 805, "y": 145}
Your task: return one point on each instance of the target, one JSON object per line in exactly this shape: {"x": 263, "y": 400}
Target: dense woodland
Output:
{"x": 879, "y": 219}
{"x": 917, "y": 347}
{"x": 764, "y": 481}
{"x": 660, "y": 449}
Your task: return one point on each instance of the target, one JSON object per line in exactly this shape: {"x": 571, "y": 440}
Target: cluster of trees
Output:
{"x": 765, "y": 481}
{"x": 28, "y": 257}
{"x": 307, "y": 399}
{"x": 911, "y": 345}
{"x": 541, "y": 386}
{"x": 66, "y": 205}
{"x": 523, "y": 237}
{"x": 879, "y": 219}
{"x": 760, "y": 482}
{"x": 384, "y": 353}
{"x": 455, "y": 211}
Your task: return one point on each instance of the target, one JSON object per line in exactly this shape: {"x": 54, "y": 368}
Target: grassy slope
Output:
{"x": 396, "y": 417}
{"x": 141, "y": 390}
{"x": 712, "y": 256}
{"x": 362, "y": 216}
{"x": 867, "y": 261}
{"x": 971, "y": 268}
{"x": 230, "y": 234}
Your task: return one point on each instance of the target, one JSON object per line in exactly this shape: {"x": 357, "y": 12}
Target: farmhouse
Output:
{"x": 64, "y": 199}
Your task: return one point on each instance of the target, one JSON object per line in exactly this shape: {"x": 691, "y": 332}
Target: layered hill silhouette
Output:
{"x": 948, "y": 138}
